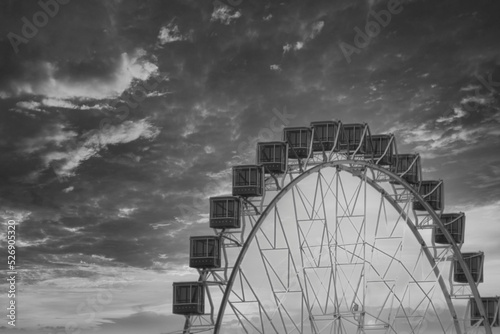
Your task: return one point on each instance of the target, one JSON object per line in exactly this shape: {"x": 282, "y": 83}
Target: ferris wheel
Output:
{"x": 333, "y": 231}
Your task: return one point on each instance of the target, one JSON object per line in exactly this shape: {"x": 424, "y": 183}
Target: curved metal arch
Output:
{"x": 358, "y": 163}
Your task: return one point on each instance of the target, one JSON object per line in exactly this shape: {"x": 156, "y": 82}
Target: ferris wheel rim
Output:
{"x": 394, "y": 177}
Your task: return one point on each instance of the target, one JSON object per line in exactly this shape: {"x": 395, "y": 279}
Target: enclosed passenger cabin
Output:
{"x": 205, "y": 252}
{"x": 248, "y": 180}
{"x": 355, "y": 138}
{"x": 474, "y": 262}
{"x": 407, "y": 166}
{"x": 273, "y": 156}
{"x": 433, "y": 194}
{"x": 383, "y": 149}
{"x": 325, "y": 136}
{"x": 490, "y": 305}
{"x": 189, "y": 298}
{"x": 225, "y": 212}
{"x": 454, "y": 224}
{"x": 299, "y": 140}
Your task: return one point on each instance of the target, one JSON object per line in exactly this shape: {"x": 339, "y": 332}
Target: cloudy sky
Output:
{"x": 120, "y": 118}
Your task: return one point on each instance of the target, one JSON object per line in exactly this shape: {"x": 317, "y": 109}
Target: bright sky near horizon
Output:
{"x": 119, "y": 120}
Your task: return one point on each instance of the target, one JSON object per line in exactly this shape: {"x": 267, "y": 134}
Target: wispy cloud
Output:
{"x": 68, "y": 104}
{"x": 307, "y": 33}
{"x": 275, "y": 67}
{"x": 483, "y": 100}
{"x": 297, "y": 46}
{"x": 456, "y": 114}
{"x": 58, "y": 103}
{"x": 66, "y": 161}
{"x": 171, "y": 33}
{"x": 52, "y": 83}
{"x": 51, "y": 136}
{"x": 316, "y": 28}
{"x": 225, "y": 14}
{"x": 445, "y": 136}
{"x": 469, "y": 88}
